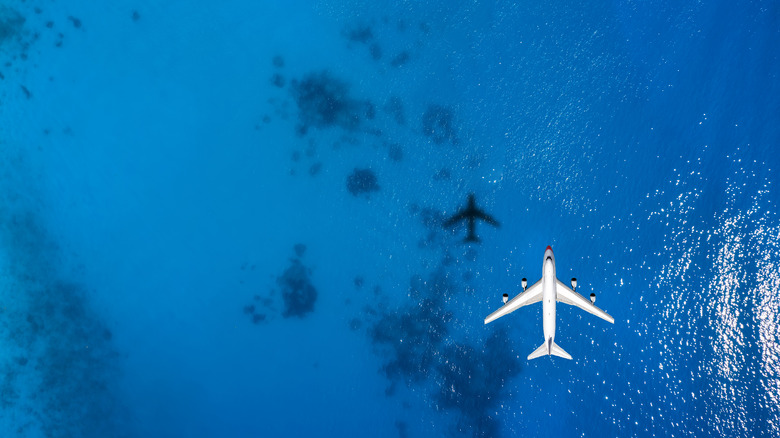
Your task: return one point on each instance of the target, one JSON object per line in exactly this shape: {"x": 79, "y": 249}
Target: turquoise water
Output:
{"x": 225, "y": 220}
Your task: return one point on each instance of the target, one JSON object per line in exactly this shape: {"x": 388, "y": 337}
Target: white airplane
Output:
{"x": 549, "y": 290}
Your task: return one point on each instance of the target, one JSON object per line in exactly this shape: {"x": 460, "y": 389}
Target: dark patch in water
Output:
{"x": 431, "y": 218}
{"x": 324, "y": 102}
{"x": 369, "y": 110}
{"x": 419, "y": 348}
{"x": 11, "y": 23}
{"x": 400, "y": 59}
{"x": 395, "y": 153}
{"x": 64, "y": 381}
{"x": 403, "y": 429}
{"x": 298, "y": 294}
{"x": 375, "y": 50}
{"x": 472, "y": 381}
{"x": 441, "y": 175}
{"x": 315, "y": 168}
{"x": 438, "y": 124}
{"x": 358, "y": 33}
{"x": 278, "y": 80}
{"x": 362, "y": 182}
{"x": 76, "y": 22}
{"x": 412, "y": 334}
{"x": 395, "y": 108}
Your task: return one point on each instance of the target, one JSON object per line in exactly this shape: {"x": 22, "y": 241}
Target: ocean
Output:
{"x": 230, "y": 219}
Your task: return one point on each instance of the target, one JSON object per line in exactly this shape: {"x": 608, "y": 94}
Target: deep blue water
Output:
{"x": 225, "y": 219}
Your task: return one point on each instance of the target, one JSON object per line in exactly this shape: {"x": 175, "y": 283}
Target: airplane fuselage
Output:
{"x": 549, "y": 298}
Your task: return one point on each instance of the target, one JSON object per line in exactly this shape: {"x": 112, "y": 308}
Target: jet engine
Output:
{"x": 593, "y": 298}
{"x": 524, "y": 282}
{"x": 506, "y": 298}
{"x": 573, "y": 284}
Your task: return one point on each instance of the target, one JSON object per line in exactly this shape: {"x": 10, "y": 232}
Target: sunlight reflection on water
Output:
{"x": 721, "y": 310}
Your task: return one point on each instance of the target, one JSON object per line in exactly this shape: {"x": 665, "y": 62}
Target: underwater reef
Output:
{"x": 438, "y": 124}
{"x": 395, "y": 108}
{"x": 420, "y": 350}
{"x": 298, "y": 294}
{"x": 362, "y": 182}
{"x": 59, "y": 371}
{"x": 358, "y": 33}
{"x": 324, "y": 102}
{"x": 11, "y": 23}
{"x": 471, "y": 380}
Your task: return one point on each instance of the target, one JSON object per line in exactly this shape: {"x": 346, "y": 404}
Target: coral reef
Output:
{"x": 395, "y": 153}
{"x": 362, "y": 182}
{"x": 376, "y": 51}
{"x": 471, "y": 379}
{"x": 11, "y": 23}
{"x": 359, "y": 33}
{"x": 278, "y": 80}
{"x": 395, "y": 108}
{"x": 419, "y": 346}
{"x": 298, "y": 294}
{"x": 61, "y": 366}
{"x": 400, "y": 59}
{"x": 438, "y": 124}
{"x": 324, "y": 102}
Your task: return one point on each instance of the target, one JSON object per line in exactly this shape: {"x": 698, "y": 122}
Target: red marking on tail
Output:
{"x": 549, "y": 248}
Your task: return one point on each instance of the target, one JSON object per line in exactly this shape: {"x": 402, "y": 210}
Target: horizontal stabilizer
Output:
{"x": 554, "y": 349}
{"x": 558, "y": 351}
{"x": 541, "y": 351}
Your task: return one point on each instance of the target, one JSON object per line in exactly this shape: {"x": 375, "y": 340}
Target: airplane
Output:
{"x": 471, "y": 213}
{"x": 549, "y": 290}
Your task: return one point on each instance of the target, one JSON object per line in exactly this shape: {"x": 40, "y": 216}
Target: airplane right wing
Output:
{"x": 487, "y": 218}
{"x": 568, "y": 296}
{"x": 531, "y": 295}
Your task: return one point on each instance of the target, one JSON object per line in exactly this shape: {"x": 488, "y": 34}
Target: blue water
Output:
{"x": 225, "y": 219}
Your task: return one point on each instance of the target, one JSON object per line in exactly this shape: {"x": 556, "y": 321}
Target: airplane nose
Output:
{"x": 549, "y": 248}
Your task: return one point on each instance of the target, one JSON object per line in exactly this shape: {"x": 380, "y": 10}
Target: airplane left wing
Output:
{"x": 531, "y": 295}
{"x": 568, "y": 296}
{"x": 459, "y": 216}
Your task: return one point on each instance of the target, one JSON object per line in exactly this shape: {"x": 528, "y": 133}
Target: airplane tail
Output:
{"x": 471, "y": 239}
{"x": 554, "y": 350}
